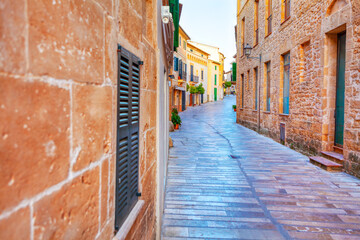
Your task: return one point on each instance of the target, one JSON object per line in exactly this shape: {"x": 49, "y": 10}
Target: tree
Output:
{"x": 201, "y": 89}
{"x": 227, "y": 84}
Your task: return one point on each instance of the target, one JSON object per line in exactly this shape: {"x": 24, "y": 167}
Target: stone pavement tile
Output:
{"x": 175, "y": 231}
{"x": 221, "y": 233}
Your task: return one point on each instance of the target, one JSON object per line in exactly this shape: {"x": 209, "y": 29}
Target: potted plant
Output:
{"x": 176, "y": 120}
{"x": 234, "y": 107}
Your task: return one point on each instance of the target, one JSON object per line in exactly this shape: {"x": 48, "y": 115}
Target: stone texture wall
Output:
{"x": 58, "y": 77}
{"x": 309, "y": 37}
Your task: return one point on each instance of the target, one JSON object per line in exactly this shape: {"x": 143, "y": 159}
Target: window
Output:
{"x": 127, "y": 144}
{"x": 256, "y": 22}
{"x": 267, "y": 85}
{"x": 285, "y": 10}
{"x": 184, "y": 45}
{"x": 202, "y": 74}
{"x": 176, "y": 64}
{"x": 180, "y": 41}
{"x": 191, "y": 73}
{"x": 215, "y": 67}
{"x": 268, "y": 17}
{"x": 215, "y": 78}
{"x": 286, "y": 83}
{"x": 256, "y": 88}
{"x": 242, "y": 90}
{"x": 242, "y": 45}
{"x": 180, "y": 69}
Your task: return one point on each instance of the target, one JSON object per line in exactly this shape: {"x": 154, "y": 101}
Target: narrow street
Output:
{"x": 228, "y": 182}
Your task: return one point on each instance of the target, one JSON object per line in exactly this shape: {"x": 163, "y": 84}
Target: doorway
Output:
{"x": 340, "y": 89}
{"x": 215, "y": 94}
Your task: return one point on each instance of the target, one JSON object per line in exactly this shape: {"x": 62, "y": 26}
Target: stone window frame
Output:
{"x": 281, "y": 84}
{"x": 242, "y": 36}
{"x": 242, "y": 89}
{"x": 256, "y": 23}
{"x": 285, "y": 10}
{"x": 255, "y": 88}
{"x": 268, "y": 17}
{"x": 267, "y": 87}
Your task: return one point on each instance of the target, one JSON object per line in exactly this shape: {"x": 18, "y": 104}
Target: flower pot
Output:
{"x": 234, "y": 109}
{"x": 177, "y": 126}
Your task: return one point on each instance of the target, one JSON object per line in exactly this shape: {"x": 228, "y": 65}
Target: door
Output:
{"x": 183, "y": 102}
{"x": 340, "y": 90}
{"x": 215, "y": 94}
{"x": 202, "y": 98}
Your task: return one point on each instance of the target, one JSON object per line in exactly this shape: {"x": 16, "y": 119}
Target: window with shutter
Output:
{"x": 127, "y": 146}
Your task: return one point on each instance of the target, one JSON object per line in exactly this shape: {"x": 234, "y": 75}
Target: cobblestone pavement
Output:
{"x": 227, "y": 182}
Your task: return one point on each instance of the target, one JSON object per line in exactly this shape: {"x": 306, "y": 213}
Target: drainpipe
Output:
{"x": 259, "y": 92}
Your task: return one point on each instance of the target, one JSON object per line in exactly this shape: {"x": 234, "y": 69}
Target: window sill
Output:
{"x": 268, "y": 35}
{"x": 284, "y": 115}
{"x": 255, "y": 110}
{"x": 255, "y": 45}
{"x": 283, "y": 22}
{"x": 266, "y": 112}
{"x": 129, "y": 222}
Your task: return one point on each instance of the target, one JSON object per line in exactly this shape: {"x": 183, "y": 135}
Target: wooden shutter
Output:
{"x": 127, "y": 146}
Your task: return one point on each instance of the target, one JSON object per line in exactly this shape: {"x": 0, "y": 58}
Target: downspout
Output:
{"x": 259, "y": 92}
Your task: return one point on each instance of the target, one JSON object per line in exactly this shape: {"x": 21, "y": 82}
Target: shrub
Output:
{"x": 174, "y": 110}
{"x": 234, "y": 106}
{"x": 175, "y": 119}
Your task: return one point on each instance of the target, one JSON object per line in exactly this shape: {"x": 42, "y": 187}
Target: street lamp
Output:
{"x": 247, "y": 51}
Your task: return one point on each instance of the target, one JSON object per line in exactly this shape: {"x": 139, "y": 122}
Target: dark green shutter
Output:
{"x": 127, "y": 146}
{"x": 175, "y": 10}
{"x": 234, "y": 71}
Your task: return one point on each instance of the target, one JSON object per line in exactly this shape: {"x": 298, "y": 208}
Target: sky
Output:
{"x": 211, "y": 22}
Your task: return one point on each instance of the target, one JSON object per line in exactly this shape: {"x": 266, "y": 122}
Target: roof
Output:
{"x": 204, "y": 44}
{"x": 182, "y": 30}
{"x": 200, "y": 50}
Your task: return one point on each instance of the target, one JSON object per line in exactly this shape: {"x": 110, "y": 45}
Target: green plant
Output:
{"x": 193, "y": 90}
{"x": 234, "y": 106}
{"x": 174, "y": 110}
{"x": 175, "y": 119}
{"x": 227, "y": 84}
{"x": 200, "y": 89}
{"x": 187, "y": 87}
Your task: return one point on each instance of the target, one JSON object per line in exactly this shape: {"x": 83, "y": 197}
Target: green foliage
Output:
{"x": 234, "y": 106}
{"x": 174, "y": 110}
{"x": 201, "y": 89}
{"x": 175, "y": 119}
{"x": 227, "y": 84}
{"x": 187, "y": 87}
{"x": 193, "y": 90}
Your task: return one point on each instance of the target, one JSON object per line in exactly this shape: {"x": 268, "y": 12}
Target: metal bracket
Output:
{"x": 141, "y": 63}
{"x": 138, "y": 194}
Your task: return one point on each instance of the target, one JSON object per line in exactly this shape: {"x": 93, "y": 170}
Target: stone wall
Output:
{"x": 308, "y": 35}
{"x": 58, "y": 77}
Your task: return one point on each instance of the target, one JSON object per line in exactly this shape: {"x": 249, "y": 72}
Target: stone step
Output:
{"x": 326, "y": 164}
{"x": 338, "y": 150}
{"x": 333, "y": 156}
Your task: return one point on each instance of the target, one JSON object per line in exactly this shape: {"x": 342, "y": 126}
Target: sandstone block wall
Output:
{"x": 309, "y": 37}
{"x": 58, "y": 78}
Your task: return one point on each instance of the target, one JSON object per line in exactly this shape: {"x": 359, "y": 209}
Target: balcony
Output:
{"x": 194, "y": 79}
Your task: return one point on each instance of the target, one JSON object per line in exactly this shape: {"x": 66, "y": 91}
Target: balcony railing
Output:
{"x": 194, "y": 79}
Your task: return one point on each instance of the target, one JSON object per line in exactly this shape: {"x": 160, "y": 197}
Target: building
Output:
{"x": 303, "y": 88}
{"x": 179, "y": 74}
{"x": 84, "y": 90}
{"x": 215, "y": 90}
{"x": 198, "y": 71}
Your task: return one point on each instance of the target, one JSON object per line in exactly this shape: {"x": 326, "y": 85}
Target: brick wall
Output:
{"x": 58, "y": 77}
{"x": 308, "y": 35}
